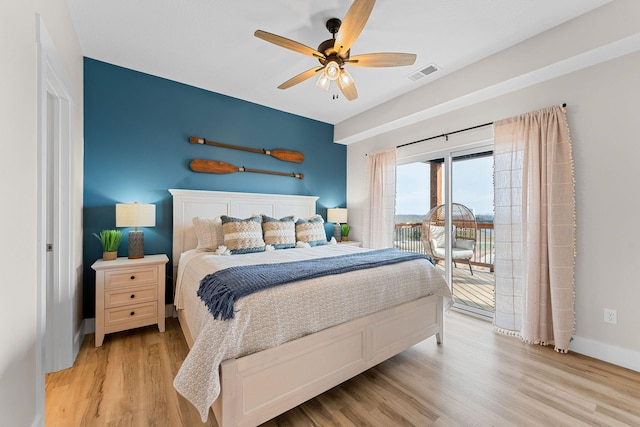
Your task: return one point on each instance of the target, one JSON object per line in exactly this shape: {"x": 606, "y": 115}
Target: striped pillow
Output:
{"x": 280, "y": 233}
{"x": 311, "y": 231}
{"x": 243, "y": 236}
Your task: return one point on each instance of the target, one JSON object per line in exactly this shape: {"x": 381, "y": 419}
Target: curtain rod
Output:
{"x": 446, "y": 135}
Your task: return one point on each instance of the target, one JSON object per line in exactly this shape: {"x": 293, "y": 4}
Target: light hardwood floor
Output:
{"x": 476, "y": 378}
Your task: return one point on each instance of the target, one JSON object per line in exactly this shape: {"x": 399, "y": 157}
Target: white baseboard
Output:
{"x": 38, "y": 421}
{"x": 78, "y": 337}
{"x": 169, "y": 311}
{"x": 624, "y": 357}
{"x": 89, "y": 325}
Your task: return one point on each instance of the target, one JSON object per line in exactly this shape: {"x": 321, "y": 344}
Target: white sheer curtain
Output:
{"x": 380, "y": 208}
{"x": 535, "y": 228}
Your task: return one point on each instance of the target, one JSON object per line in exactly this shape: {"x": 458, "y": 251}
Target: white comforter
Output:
{"x": 274, "y": 316}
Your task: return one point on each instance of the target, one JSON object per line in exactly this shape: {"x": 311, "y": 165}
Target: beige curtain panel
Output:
{"x": 380, "y": 208}
{"x": 535, "y": 228}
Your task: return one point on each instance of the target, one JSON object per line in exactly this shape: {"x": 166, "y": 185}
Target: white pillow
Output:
{"x": 209, "y": 233}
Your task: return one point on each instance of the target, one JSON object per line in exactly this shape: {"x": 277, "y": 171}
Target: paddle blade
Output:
{"x": 287, "y": 156}
{"x": 287, "y": 43}
{"x": 386, "y": 59}
{"x": 212, "y": 166}
{"x": 300, "y": 78}
{"x": 352, "y": 25}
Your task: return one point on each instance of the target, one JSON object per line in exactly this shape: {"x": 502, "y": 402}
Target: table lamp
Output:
{"x": 136, "y": 215}
{"x": 337, "y": 215}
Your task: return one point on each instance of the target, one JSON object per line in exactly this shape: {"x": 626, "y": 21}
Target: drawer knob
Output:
{"x": 133, "y": 277}
{"x": 133, "y": 313}
{"x": 133, "y": 296}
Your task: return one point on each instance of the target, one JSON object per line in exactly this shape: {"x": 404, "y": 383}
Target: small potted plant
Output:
{"x": 110, "y": 240}
{"x": 345, "y": 228}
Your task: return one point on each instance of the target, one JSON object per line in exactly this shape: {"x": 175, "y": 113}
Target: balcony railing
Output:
{"x": 408, "y": 237}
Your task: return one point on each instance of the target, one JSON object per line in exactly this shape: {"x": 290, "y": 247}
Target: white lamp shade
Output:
{"x": 337, "y": 215}
{"x": 332, "y": 70}
{"x": 323, "y": 81}
{"x": 135, "y": 215}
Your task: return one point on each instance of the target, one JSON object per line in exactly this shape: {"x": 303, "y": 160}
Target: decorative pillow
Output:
{"x": 281, "y": 233}
{"x": 208, "y": 232}
{"x": 311, "y": 231}
{"x": 243, "y": 236}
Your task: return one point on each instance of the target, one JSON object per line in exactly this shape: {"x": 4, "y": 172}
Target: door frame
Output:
{"x": 53, "y": 81}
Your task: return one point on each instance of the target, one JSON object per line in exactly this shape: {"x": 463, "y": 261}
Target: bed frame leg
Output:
{"x": 440, "y": 317}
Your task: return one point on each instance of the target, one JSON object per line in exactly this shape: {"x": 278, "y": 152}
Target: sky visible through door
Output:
{"x": 472, "y": 186}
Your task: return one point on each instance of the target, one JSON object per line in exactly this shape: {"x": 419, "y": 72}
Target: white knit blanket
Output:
{"x": 274, "y": 316}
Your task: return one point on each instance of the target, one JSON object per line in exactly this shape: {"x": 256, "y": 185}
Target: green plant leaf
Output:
{"x": 109, "y": 239}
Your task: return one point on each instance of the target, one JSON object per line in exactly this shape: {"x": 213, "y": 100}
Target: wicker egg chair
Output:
{"x": 464, "y": 233}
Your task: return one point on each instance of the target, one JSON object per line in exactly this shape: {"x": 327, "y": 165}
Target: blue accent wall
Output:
{"x": 136, "y": 135}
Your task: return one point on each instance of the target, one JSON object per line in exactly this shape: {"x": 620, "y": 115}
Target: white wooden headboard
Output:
{"x": 188, "y": 204}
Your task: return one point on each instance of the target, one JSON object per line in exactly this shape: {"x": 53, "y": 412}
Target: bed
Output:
{"x": 249, "y": 371}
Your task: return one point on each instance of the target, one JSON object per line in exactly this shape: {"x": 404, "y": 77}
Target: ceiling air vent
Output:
{"x": 423, "y": 73}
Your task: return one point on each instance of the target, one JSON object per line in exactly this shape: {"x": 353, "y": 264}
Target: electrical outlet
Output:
{"x": 610, "y": 316}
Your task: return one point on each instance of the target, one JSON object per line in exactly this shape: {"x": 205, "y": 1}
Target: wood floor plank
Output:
{"x": 476, "y": 378}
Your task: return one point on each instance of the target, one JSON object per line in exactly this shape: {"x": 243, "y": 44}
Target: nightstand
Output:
{"x": 350, "y": 243}
{"x": 129, "y": 294}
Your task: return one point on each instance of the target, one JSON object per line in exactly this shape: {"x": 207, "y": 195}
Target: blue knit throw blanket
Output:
{"x": 220, "y": 290}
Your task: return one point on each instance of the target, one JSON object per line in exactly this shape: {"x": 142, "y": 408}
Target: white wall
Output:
{"x": 20, "y": 397}
{"x": 603, "y": 102}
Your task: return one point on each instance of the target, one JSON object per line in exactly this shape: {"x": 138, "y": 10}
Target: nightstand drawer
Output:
{"x": 118, "y": 319}
{"x": 132, "y": 277}
{"x": 120, "y": 297}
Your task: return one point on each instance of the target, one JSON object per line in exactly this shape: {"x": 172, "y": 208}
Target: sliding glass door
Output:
{"x": 444, "y": 208}
{"x": 472, "y": 230}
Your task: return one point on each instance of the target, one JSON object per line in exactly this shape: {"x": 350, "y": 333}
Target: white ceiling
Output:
{"x": 210, "y": 43}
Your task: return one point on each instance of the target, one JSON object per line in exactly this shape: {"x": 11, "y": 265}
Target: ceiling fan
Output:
{"x": 335, "y": 53}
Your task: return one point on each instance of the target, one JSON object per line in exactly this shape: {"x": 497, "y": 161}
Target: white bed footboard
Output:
{"x": 260, "y": 386}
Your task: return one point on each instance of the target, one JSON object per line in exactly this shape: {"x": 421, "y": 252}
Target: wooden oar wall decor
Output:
{"x": 285, "y": 155}
{"x": 213, "y": 166}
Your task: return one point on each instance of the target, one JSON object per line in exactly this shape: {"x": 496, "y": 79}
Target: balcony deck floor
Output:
{"x": 475, "y": 290}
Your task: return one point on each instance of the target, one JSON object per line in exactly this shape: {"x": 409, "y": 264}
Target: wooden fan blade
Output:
{"x": 352, "y": 25}
{"x": 300, "y": 78}
{"x": 347, "y": 86}
{"x": 386, "y": 59}
{"x": 287, "y": 43}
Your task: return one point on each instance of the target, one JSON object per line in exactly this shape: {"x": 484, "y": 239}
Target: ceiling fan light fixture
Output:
{"x": 345, "y": 78}
{"x": 323, "y": 82}
{"x": 332, "y": 70}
